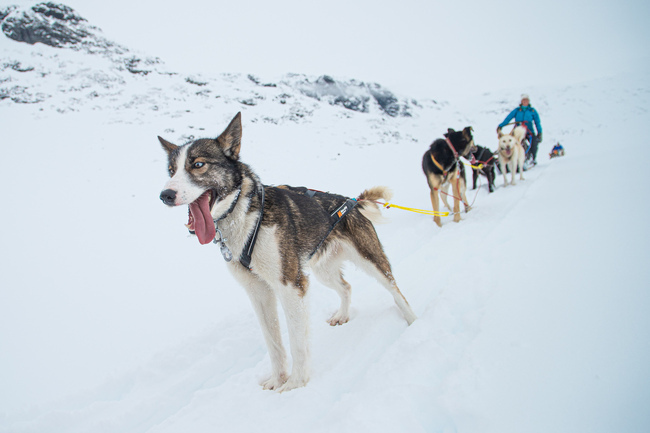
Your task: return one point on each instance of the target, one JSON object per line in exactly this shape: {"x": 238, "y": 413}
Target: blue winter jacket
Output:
{"x": 526, "y": 115}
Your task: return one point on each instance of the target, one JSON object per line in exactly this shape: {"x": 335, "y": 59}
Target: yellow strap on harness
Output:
{"x": 444, "y": 173}
{"x": 420, "y": 211}
{"x": 477, "y": 167}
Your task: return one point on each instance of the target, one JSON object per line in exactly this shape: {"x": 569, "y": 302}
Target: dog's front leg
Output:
{"x": 265, "y": 305}
{"x": 456, "y": 189}
{"x": 490, "y": 177}
{"x": 503, "y": 166}
{"x": 296, "y": 310}
{"x": 513, "y": 171}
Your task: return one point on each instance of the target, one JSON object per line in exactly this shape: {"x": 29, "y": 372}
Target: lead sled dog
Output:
{"x": 270, "y": 235}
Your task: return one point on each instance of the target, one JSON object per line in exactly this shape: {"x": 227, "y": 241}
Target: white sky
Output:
{"x": 415, "y": 48}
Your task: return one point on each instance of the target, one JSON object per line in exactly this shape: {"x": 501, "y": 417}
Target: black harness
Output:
{"x": 335, "y": 216}
{"x": 247, "y": 253}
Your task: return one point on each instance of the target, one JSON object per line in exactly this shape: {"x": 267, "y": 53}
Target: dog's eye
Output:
{"x": 171, "y": 170}
{"x": 198, "y": 164}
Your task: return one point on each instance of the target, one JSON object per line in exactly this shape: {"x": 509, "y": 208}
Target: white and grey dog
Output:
{"x": 512, "y": 153}
{"x": 270, "y": 235}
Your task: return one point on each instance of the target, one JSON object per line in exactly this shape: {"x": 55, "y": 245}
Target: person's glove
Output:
{"x": 539, "y": 137}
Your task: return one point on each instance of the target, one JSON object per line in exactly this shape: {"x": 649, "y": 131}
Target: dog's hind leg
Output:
{"x": 264, "y": 303}
{"x": 444, "y": 191}
{"x": 328, "y": 272}
{"x": 463, "y": 190}
{"x": 435, "y": 203}
{"x": 369, "y": 256}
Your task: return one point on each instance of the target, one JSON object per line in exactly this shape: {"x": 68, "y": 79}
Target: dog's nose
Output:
{"x": 168, "y": 197}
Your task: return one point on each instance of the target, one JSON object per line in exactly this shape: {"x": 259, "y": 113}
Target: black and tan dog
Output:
{"x": 270, "y": 235}
{"x": 440, "y": 165}
{"x": 487, "y": 159}
{"x": 461, "y": 183}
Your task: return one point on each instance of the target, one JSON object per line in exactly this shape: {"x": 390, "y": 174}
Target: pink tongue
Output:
{"x": 203, "y": 224}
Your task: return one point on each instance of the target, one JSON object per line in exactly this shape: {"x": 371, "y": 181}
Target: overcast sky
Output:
{"x": 414, "y": 47}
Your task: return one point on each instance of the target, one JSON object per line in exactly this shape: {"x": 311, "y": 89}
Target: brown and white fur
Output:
{"x": 443, "y": 155}
{"x": 208, "y": 176}
{"x": 512, "y": 153}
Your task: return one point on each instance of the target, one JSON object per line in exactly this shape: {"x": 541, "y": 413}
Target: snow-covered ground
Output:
{"x": 532, "y": 310}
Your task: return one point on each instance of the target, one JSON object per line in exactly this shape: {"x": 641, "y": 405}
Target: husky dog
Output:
{"x": 440, "y": 165}
{"x": 270, "y": 235}
{"x": 485, "y": 157}
{"x": 512, "y": 153}
{"x": 462, "y": 188}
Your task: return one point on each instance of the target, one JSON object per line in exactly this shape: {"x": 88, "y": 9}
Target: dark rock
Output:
{"x": 48, "y": 23}
{"x": 386, "y": 100}
{"x": 196, "y": 82}
{"x": 6, "y": 11}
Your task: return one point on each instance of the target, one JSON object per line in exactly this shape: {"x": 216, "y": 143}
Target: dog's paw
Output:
{"x": 513, "y": 183}
{"x": 437, "y": 221}
{"x": 274, "y": 382}
{"x": 338, "y": 319}
{"x": 293, "y": 383}
{"x": 457, "y": 218}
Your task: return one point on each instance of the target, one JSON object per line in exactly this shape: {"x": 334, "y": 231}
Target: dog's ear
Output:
{"x": 501, "y": 134}
{"x": 467, "y": 133}
{"x": 169, "y": 147}
{"x": 230, "y": 139}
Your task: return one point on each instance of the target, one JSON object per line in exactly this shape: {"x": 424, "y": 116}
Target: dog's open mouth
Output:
{"x": 200, "y": 219}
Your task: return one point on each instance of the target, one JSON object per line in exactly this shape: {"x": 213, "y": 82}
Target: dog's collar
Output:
{"x": 230, "y": 209}
{"x": 451, "y": 146}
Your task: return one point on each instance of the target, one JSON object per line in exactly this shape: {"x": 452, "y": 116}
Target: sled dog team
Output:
{"x": 272, "y": 236}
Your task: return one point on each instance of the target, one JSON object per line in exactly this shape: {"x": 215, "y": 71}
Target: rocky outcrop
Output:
{"x": 64, "y": 75}
{"x": 353, "y": 95}
{"x": 56, "y": 25}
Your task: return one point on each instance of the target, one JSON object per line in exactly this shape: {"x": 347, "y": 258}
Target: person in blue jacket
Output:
{"x": 525, "y": 114}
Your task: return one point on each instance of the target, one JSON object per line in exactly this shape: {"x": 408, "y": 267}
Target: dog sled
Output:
{"x": 558, "y": 150}
{"x": 526, "y": 143}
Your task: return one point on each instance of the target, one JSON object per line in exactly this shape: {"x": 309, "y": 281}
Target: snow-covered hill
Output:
{"x": 88, "y": 70}
{"x": 532, "y": 310}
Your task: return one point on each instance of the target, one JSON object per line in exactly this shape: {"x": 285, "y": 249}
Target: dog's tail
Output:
{"x": 368, "y": 205}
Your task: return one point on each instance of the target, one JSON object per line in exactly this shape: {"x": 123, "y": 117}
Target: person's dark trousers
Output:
{"x": 533, "y": 147}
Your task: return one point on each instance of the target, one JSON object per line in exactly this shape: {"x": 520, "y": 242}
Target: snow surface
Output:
{"x": 532, "y": 310}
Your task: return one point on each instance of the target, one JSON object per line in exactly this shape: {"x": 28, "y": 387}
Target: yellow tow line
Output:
{"x": 410, "y": 209}
{"x": 422, "y": 211}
